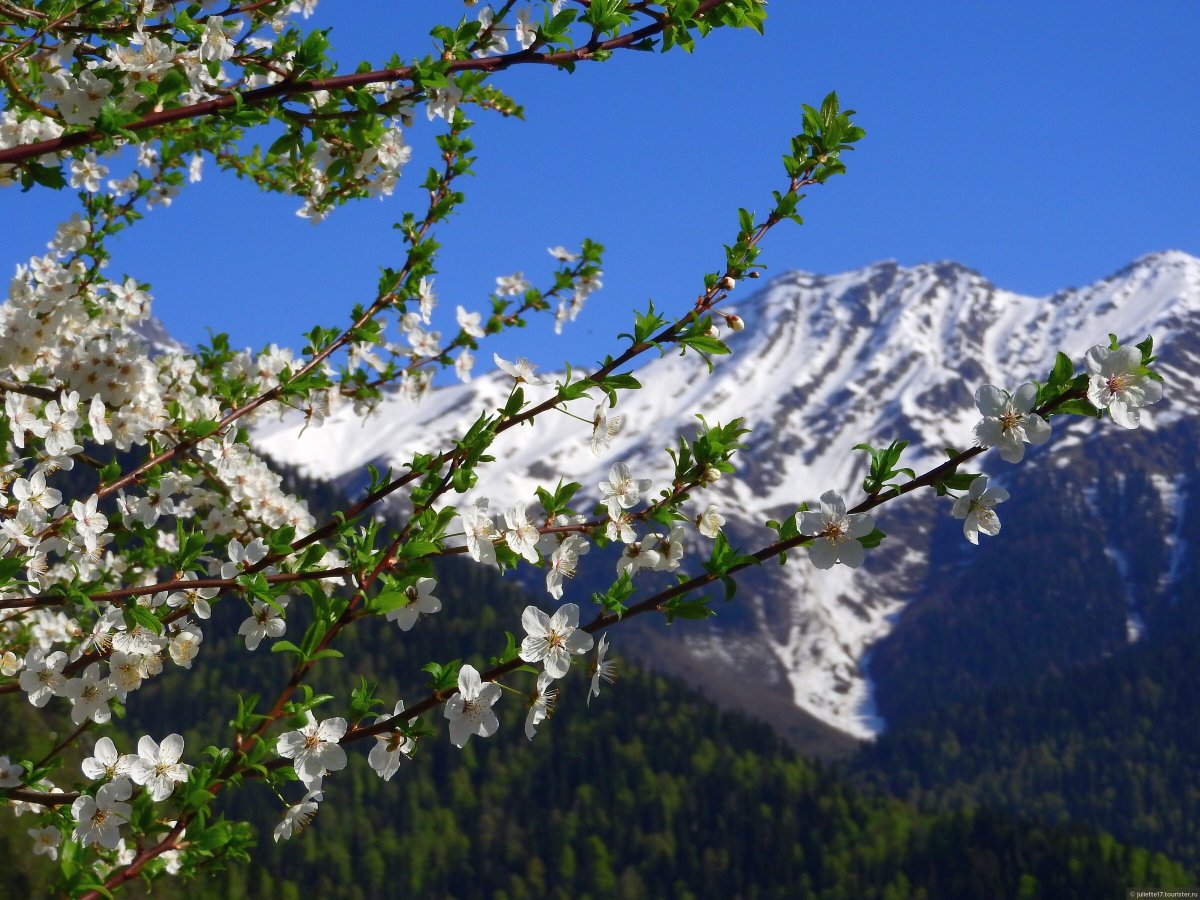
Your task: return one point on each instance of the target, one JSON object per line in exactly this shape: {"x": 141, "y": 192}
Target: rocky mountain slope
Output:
{"x": 1094, "y": 551}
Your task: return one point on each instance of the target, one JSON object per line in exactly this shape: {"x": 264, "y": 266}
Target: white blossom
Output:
{"x": 563, "y": 563}
{"x": 480, "y": 532}
{"x": 622, "y": 490}
{"x": 297, "y": 817}
{"x": 521, "y": 370}
{"x": 562, "y": 253}
{"x": 42, "y": 676}
{"x": 90, "y": 695}
{"x": 185, "y": 645}
{"x": 264, "y": 622}
{"x": 99, "y": 817}
{"x": 1008, "y": 421}
{"x": 157, "y": 767}
{"x": 314, "y": 749}
{"x": 1115, "y": 383}
{"x": 552, "y": 639}
{"x": 420, "y": 602}
{"x": 470, "y": 322}
{"x": 511, "y": 285}
{"x": 105, "y": 762}
{"x": 522, "y": 535}
{"x": 602, "y": 669}
{"x": 637, "y": 556}
{"x": 977, "y": 509}
{"x": 45, "y": 841}
{"x": 10, "y": 773}
{"x": 604, "y": 429}
{"x": 390, "y": 747}
{"x": 836, "y": 532}
{"x": 541, "y": 705}
{"x": 710, "y": 521}
{"x": 470, "y": 710}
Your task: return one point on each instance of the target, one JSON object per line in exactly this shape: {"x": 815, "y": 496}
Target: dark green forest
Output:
{"x": 1115, "y": 744}
{"x": 650, "y": 792}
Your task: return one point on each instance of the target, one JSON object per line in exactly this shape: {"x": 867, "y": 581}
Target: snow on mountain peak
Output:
{"x": 825, "y": 362}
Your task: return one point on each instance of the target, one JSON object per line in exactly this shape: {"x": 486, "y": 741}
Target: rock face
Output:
{"x": 1095, "y": 548}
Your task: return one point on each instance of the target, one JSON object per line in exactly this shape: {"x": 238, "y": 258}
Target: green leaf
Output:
{"x": 873, "y": 539}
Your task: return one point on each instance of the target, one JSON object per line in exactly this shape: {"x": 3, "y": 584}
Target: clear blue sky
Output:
{"x": 1045, "y": 145}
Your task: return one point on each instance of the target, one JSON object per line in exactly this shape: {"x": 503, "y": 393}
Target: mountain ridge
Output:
{"x": 826, "y": 361}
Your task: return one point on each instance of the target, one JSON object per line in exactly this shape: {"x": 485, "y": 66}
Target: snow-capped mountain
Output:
{"x": 824, "y": 363}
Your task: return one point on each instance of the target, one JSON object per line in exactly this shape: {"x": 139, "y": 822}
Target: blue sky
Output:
{"x": 1045, "y": 145}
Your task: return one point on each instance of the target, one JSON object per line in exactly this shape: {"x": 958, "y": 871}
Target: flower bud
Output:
{"x": 727, "y": 283}
{"x": 753, "y": 273}
{"x": 713, "y": 331}
{"x": 735, "y": 323}
{"x": 710, "y": 475}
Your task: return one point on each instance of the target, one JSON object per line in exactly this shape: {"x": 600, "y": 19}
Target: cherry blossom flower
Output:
{"x": 836, "y": 532}
{"x": 637, "y": 556}
{"x": 480, "y": 531}
{"x": 443, "y": 101}
{"x": 42, "y": 676}
{"x": 1116, "y": 384}
{"x": 420, "y": 602}
{"x": 242, "y": 558}
{"x": 157, "y": 767}
{"x": 511, "y": 285}
{"x": 105, "y": 762}
{"x": 492, "y": 35}
{"x": 10, "y": 773}
{"x": 977, "y": 508}
{"x": 33, "y": 492}
{"x": 525, "y": 31}
{"x": 215, "y": 43}
{"x": 463, "y": 364}
{"x": 265, "y": 622}
{"x": 562, "y": 253}
{"x": 89, "y": 522}
{"x": 470, "y": 710}
{"x": 541, "y": 705}
{"x": 522, "y": 536}
{"x": 521, "y": 370}
{"x": 602, "y": 669}
{"x": 86, "y": 173}
{"x": 127, "y": 671}
{"x": 390, "y": 747}
{"x": 1008, "y": 421}
{"x": 297, "y": 817}
{"x": 185, "y": 645}
{"x": 99, "y": 817}
{"x": 604, "y": 429}
{"x": 620, "y": 528}
{"x": 670, "y": 549}
{"x": 45, "y": 841}
{"x": 314, "y": 749}
{"x": 552, "y": 639}
{"x": 710, "y": 521}
{"x": 563, "y": 563}
{"x": 89, "y": 695}
{"x": 622, "y": 490}
{"x": 470, "y": 322}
